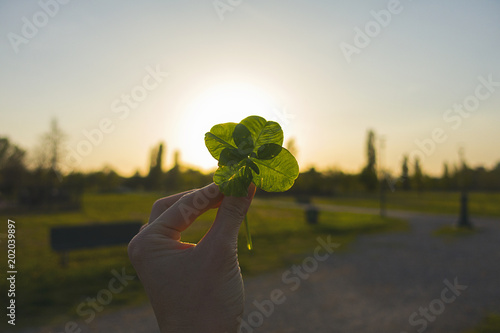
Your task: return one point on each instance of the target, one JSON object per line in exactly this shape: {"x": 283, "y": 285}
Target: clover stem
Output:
{"x": 249, "y": 237}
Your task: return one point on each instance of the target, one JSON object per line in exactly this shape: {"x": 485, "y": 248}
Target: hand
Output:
{"x": 192, "y": 288}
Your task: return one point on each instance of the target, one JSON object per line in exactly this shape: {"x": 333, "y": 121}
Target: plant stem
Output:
{"x": 249, "y": 237}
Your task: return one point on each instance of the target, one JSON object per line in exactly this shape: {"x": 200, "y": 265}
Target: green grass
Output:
{"x": 48, "y": 293}
{"x": 490, "y": 324}
{"x": 480, "y": 204}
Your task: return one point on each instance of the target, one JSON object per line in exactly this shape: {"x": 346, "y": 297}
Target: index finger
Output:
{"x": 185, "y": 210}
{"x": 163, "y": 204}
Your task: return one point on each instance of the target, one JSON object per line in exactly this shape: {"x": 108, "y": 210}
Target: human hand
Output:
{"x": 192, "y": 288}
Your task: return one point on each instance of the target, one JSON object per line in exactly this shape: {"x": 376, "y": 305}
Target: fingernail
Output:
{"x": 251, "y": 190}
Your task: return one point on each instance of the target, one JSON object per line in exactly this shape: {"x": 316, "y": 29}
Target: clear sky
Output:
{"x": 133, "y": 73}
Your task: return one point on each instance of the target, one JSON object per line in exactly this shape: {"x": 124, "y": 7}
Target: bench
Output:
{"x": 68, "y": 238}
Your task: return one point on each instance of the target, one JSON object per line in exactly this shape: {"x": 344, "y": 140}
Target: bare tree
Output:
{"x": 51, "y": 151}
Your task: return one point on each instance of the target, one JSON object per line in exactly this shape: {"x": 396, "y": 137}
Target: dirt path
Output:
{"x": 386, "y": 277}
{"x": 374, "y": 287}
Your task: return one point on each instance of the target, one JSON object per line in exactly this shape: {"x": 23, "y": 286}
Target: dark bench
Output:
{"x": 68, "y": 238}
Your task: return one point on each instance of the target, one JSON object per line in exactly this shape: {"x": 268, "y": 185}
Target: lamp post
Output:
{"x": 463, "y": 220}
{"x": 382, "y": 176}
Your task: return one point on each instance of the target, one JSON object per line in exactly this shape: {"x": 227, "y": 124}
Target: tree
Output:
{"x": 463, "y": 220}
{"x": 417, "y": 175}
{"x": 12, "y": 167}
{"x": 309, "y": 183}
{"x": 136, "y": 182}
{"x": 405, "y": 176}
{"x": 50, "y": 152}
{"x": 464, "y": 170}
{"x": 368, "y": 175}
{"x": 177, "y": 159}
{"x": 155, "y": 176}
{"x": 105, "y": 180}
{"x": 173, "y": 176}
{"x": 494, "y": 178}
{"x": 446, "y": 179}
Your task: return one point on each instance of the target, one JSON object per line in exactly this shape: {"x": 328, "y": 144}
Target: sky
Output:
{"x": 122, "y": 76}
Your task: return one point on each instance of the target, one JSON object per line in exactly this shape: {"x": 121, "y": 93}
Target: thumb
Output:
{"x": 232, "y": 211}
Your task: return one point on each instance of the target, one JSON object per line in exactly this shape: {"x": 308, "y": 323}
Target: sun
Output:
{"x": 229, "y": 102}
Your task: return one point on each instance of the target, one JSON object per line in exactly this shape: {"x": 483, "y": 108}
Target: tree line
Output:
{"x": 39, "y": 180}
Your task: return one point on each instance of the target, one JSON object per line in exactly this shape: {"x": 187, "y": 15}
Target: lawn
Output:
{"x": 47, "y": 293}
{"x": 480, "y": 204}
{"x": 490, "y": 324}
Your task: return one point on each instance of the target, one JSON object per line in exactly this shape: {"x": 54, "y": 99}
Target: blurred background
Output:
{"x": 390, "y": 107}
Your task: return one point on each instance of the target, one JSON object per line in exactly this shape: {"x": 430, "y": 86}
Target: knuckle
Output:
{"x": 158, "y": 205}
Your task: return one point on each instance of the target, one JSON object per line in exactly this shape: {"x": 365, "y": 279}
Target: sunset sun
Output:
{"x": 230, "y": 102}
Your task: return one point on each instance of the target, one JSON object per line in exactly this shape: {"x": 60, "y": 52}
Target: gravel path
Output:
{"x": 376, "y": 286}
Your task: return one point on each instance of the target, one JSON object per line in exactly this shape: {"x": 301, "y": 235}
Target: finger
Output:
{"x": 185, "y": 210}
{"x": 163, "y": 204}
{"x": 232, "y": 211}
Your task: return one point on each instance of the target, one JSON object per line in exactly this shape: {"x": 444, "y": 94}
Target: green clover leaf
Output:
{"x": 251, "y": 151}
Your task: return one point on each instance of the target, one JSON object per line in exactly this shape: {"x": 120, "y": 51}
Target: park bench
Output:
{"x": 68, "y": 238}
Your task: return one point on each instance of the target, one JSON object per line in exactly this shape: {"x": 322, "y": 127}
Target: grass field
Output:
{"x": 48, "y": 293}
{"x": 480, "y": 204}
{"x": 490, "y": 324}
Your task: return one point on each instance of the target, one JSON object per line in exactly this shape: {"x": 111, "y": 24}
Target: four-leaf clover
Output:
{"x": 251, "y": 151}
